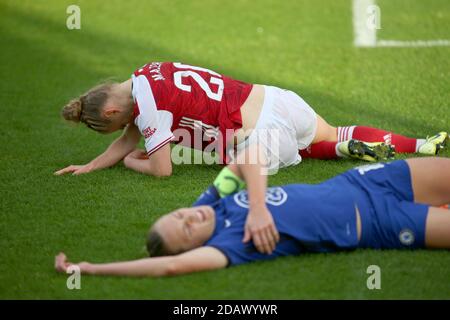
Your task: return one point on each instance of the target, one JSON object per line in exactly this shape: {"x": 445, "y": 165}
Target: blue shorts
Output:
{"x": 389, "y": 217}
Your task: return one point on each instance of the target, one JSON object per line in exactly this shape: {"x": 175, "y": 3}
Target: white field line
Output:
{"x": 367, "y": 37}
{"x": 414, "y": 43}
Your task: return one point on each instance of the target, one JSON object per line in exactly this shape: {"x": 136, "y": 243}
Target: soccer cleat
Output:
{"x": 368, "y": 151}
{"x": 433, "y": 144}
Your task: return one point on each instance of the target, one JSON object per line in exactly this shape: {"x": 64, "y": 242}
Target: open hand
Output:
{"x": 61, "y": 264}
{"x": 75, "y": 169}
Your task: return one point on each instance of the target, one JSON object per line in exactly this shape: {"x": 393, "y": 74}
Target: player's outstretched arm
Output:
{"x": 159, "y": 164}
{"x": 200, "y": 259}
{"x": 250, "y": 165}
{"x": 115, "y": 152}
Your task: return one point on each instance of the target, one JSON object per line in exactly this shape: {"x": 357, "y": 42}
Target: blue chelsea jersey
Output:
{"x": 309, "y": 218}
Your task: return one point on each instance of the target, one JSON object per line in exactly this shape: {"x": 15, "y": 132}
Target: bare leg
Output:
{"x": 430, "y": 180}
{"x": 325, "y": 132}
{"x": 437, "y": 232}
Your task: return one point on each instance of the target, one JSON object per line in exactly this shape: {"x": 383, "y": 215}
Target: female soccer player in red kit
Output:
{"x": 197, "y": 107}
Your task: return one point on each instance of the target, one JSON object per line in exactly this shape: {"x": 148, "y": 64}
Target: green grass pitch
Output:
{"x": 302, "y": 45}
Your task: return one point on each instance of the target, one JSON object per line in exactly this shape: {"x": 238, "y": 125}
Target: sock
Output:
{"x": 322, "y": 150}
{"x": 367, "y": 134}
{"x": 419, "y": 143}
{"x": 345, "y": 133}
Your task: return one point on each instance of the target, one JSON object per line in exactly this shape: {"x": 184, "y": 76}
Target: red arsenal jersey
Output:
{"x": 173, "y": 96}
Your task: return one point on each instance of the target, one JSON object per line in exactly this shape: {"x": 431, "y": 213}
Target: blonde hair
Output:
{"x": 88, "y": 108}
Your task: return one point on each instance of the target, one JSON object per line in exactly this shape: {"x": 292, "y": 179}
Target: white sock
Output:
{"x": 339, "y": 153}
{"x": 345, "y": 133}
{"x": 419, "y": 143}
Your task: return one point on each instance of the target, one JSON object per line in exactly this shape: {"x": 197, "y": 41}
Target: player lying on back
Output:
{"x": 380, "y": 206}
{"x": 172, "y": 102}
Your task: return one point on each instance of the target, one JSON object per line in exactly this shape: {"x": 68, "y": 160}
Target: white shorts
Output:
{"x": 286, "y": 125}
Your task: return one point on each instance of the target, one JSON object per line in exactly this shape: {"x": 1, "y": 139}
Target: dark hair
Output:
{"x": 87, "y": 108}
{"x": 155, "y": 244}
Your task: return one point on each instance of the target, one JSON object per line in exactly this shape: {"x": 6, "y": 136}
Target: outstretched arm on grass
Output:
{"x": 158, "y": 164}
{"x": 121, "y": 147}
{"x": 200, "y": 259}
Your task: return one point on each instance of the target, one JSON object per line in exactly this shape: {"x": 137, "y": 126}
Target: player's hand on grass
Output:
{"x": 61, "y": 264}
{"x": 75, "y": 169}
{"x": 261, "y": 228}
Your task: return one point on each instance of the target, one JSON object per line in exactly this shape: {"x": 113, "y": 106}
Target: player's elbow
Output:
{"x": 162, "y": 172}
{"x": 160, "y": 168}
